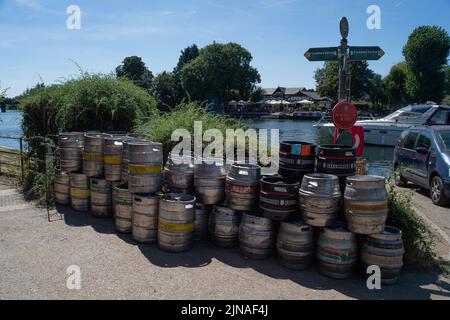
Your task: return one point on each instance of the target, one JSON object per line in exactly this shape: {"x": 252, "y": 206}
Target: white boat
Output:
{"x": 387, "y": 130}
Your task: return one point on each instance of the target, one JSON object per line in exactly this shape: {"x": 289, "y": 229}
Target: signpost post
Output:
{"x": 343, "y": 54}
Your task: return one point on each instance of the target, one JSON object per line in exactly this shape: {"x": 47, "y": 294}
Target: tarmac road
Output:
{"x": 35, "y": 255}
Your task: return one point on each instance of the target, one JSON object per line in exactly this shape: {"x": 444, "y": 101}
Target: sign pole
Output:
{"x": 343, "y": 57}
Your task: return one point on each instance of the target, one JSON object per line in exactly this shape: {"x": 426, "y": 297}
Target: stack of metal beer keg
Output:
{"x": 315, "y": 209}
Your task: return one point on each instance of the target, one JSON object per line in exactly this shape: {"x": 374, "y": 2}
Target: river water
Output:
{"x": 379, "y": 158}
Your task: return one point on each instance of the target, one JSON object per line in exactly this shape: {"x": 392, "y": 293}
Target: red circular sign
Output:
{"x": 344, "y": 115}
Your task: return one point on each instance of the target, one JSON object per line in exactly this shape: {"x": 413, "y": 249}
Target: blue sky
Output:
{"x": 35, "y": 43}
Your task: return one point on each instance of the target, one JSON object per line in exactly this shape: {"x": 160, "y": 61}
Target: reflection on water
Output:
{"x": 379, "y": 158}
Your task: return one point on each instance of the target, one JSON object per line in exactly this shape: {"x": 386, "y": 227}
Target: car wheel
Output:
{"x": 399, "y": 180}
{"x": 437, "y": 192}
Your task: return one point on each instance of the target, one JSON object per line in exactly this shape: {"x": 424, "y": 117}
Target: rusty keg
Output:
{"x": 62, "y": 187}
{"x": 201, "y": 220}
{"x": 224, "y": 226}
{"x": 101, "y": 198}
{"x": 71, "y": 151}
{"x": 145, "y": 166}
{"x": 278, "y": 198}
{"x": 242, "y": 186}
{"x": 366, "y": 204}
{"x": 123, "y": 208}
{"x": 295, "y": 245}
{"x": 256, "y": 236}
{"x": 297, "y": 158}
{"x": 320, "y": 199}
{"x": 79, "y": 191}
{"x": 337, "y": 252}
{"x": 176, "y": 222}
{"x": 113, "y": 157}
{"x": 178, "y": 174}
{"x": 94, "y": 144}
{"x": 209, "y": 181}
{"x": 145, "y": 217}
{"x": 385, "y": 250}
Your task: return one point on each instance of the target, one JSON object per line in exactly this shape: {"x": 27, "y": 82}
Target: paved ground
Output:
{"x": 35, "y": 254}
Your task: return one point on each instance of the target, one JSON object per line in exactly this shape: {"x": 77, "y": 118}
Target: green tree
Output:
{"x": 327, "y": 79}
{"x": 219, "y": 70}
{"x": 257, "y": 94}
{"x": 426, "y": 55}
{"x": 186, "y": 56}
{"x": 395, "y": 84}
{"x": 165, "y": 90}
{"x": 134, "y": 69}
{"x": 376, "y": 93}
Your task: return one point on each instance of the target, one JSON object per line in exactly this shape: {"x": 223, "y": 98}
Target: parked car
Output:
{"x": 422, "y": 156}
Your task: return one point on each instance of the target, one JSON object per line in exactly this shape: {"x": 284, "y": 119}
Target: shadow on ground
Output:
{"x": 410, "y": 285}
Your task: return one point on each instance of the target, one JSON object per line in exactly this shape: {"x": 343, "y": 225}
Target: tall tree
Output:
{"x": 187, "y": 55}
{"x": 327, "y": 79}
{"x": 164, "y": 89}
{"x": 426, "y": 55}
{"x": 395, "y": 84}
{"x": 219, "y": 70}
{"x": 134, "y": 69}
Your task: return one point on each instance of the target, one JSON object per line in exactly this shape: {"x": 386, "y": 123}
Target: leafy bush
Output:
{"x": 90, "y": 102}
{"x": 418, "y": 238}
{"x": 160, "y": 127}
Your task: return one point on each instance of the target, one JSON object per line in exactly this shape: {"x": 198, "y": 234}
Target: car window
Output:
{"x": 424, "y": 140}
{"x": 401, "y": 140}
{"x": 444, "y": 139}
{"x": 410, "y": 140}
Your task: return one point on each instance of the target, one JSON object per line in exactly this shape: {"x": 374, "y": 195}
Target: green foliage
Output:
{"x": 257, "y": 94}
{"x": 327, "y": 79}
{"x": 426, "y": 55}
{"x": 165, "y": 90}
{"x": 187, "y": 55}
{"x": 42, "y": 185}
{"x": 219, "y": 70}
{"x": 395, "y": 84}
{"x": 134, "y": 69}
{"x": 90, "y": 102}
{"x": 160, "y": 128}
{"x": 376, "y": 91}
{"x": 418, "y": 238}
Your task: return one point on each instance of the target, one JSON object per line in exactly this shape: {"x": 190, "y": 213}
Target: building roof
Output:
{"x": 269, "y": 91}
{"x": 293, "y": 91}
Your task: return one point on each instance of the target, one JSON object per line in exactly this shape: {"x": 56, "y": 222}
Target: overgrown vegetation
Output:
{"x": 183, "y": 116}
{"x": 89, "y": 102}
{"x": 418, "y": 238}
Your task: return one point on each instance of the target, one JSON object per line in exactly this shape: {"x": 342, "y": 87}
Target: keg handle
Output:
{"x": 137, "y": 199}
{"x": 94, "y": 182}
